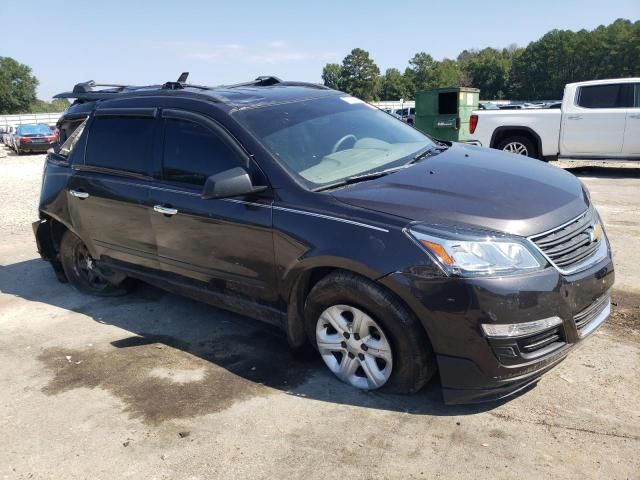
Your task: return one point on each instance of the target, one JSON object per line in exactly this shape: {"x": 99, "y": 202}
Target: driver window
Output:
{"x": 192, "y": 153}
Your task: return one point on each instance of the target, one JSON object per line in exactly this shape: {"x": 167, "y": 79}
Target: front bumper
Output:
{"x": 475, "y": 368}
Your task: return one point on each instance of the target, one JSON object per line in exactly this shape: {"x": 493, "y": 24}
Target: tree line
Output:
{"x": 18, "y": 90}
{"x": 537, "y": 72}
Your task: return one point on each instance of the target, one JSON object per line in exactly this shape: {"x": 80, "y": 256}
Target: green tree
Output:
{"x": 562, "y": 56}
{"x": 17, "y": 86}
{"x": 393, "y": 85}
{"x": 58, "y": 105}
{"x": 360, "y": 75}
{"x": 422, "y": 71}
{"x": 447, "y": 73}
{"x": 488, "y": 70}
{"x": 332, "y": 76}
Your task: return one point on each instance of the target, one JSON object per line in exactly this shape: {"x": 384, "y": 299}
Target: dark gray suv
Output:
{"x": 392, "y": 254}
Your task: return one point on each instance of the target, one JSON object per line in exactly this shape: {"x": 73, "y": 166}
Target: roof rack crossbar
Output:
{"x": 88, "y": 86}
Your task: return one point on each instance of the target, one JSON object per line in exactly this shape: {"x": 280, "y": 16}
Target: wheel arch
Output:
{"x": 308, "y": 275}
{"x": 49, "y": 232}
{"x": 501, "y": 133}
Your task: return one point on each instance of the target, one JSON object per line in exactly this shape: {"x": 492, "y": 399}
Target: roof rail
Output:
{"x": 319, "y": 86}
{"x": 262, "y": 81}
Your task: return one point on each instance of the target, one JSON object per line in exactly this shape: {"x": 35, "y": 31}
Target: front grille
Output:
{"x": 541, "y": 340}
{"x": 572, "y": 243}
{"x": 585, "y": 317}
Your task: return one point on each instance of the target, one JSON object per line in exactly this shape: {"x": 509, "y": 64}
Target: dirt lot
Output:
{"x": 156, "y": 386}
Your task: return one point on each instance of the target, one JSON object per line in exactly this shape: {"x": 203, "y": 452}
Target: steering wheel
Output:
{"x": 342, "y": 140}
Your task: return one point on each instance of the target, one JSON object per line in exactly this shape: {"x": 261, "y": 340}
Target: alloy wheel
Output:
{"x": 85, "y": 267}
{"x": 517, "y": 148}
{"x": 354, "y": 347}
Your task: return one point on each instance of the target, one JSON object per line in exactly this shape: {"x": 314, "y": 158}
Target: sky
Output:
{"x": 145, "y": 42}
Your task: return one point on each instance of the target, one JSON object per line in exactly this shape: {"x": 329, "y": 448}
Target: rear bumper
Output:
{"x": 36, "y": 147}
{"x": 476, "y": 368}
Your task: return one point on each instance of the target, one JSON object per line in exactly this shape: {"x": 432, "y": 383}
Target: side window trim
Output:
{"x": 111, "y": 171}
{"x": 126, "y": 112}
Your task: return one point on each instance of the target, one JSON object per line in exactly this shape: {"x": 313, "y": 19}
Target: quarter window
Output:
{"x": 192, "y": 153}
{"x": 120, "y": 143}
{"x": 606, "y": 96}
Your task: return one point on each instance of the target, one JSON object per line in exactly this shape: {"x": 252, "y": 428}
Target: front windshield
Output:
{"x": 35, "y": 129}
{"x": 328, "y": 140}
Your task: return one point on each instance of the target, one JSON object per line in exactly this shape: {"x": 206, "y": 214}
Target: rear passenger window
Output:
{"x": 120, "y": 143}
{"x": 192, "y": 153}
{"x": 606, "y": 96}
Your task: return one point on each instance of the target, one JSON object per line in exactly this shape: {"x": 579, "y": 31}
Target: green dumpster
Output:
{"x": 444, "y": 113}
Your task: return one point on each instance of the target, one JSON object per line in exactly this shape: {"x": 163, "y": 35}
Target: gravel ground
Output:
{"x": 19, "y": 202}
{"x": 156, "y": 386}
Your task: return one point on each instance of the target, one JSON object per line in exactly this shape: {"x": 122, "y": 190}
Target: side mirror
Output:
{"x": 230, "y": 183}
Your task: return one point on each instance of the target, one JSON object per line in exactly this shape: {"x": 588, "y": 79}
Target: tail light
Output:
{"x": 25, "y": 140}
{"x": 473, "y": 123}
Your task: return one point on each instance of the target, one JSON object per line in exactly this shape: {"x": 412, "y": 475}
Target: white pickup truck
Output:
{"x": 597, "y": 119}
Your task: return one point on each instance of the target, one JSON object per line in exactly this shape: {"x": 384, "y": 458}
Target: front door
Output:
{"x": 594, "y": 124}
{"x": 224, "y": 245}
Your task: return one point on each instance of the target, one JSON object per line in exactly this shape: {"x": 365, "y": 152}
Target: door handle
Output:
{"x": 634, "y": 115}
{"x": 574, "y": 117}
{"x": 79, "y": 194}
{"x": 165, "y": 210}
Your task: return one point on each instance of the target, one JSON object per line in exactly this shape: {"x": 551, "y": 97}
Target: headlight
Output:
{"x": 472, "y": 253}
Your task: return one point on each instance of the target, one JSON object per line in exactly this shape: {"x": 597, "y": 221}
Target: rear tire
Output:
{"x": 519, "y": 146}
{"x": 397, "y": 356}
{"x": 83, "y": 273}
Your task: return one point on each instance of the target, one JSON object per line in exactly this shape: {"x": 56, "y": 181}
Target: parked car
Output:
{"x": 37, "y": 137}
{"x": 390, "y": 253}
{"x": 510, "y": 106}
{"x": 408, "y": 114}
{"x": 7, "y": 135}
{"x": 487, "y": 106}
{"x": 390, "y": 111}
{"x": 597, "y": 119}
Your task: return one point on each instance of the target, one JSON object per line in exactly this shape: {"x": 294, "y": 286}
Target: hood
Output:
{"x": 478, "y": 188}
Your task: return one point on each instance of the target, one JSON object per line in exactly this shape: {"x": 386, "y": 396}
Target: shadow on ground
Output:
{"x": 605, "y": 172}
{"x": 184, "y": 358}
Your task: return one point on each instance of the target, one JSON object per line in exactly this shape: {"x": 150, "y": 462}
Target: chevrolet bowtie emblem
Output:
{"x": 596, "y": 233}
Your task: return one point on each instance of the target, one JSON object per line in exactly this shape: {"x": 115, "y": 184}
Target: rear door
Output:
{"x": 109, "y": 199}
{"x": 631, "y": 144}
{"x": 593, "y": 125}
{"x": 225, "y": 245}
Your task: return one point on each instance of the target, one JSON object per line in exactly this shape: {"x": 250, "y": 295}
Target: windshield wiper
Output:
{"x": 429, "y": 152}
{"x": 360, "y": 178}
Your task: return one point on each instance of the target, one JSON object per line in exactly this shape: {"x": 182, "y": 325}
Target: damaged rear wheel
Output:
{"x": 84, "y": 274}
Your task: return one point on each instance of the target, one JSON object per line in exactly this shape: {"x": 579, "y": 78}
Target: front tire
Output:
{"x": 366, "y": 337}
{"x": 83, "y": 273}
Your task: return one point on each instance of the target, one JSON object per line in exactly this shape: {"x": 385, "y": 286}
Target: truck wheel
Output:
{"x": 366, "y": 337}
{"x": 83, "y": 273}
{"x": 519, "y": 146}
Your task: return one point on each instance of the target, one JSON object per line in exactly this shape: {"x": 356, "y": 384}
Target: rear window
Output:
{"x": 39, "y": 129}
{"x": 617, "y": 95}
{"x": 120, "y": 143}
